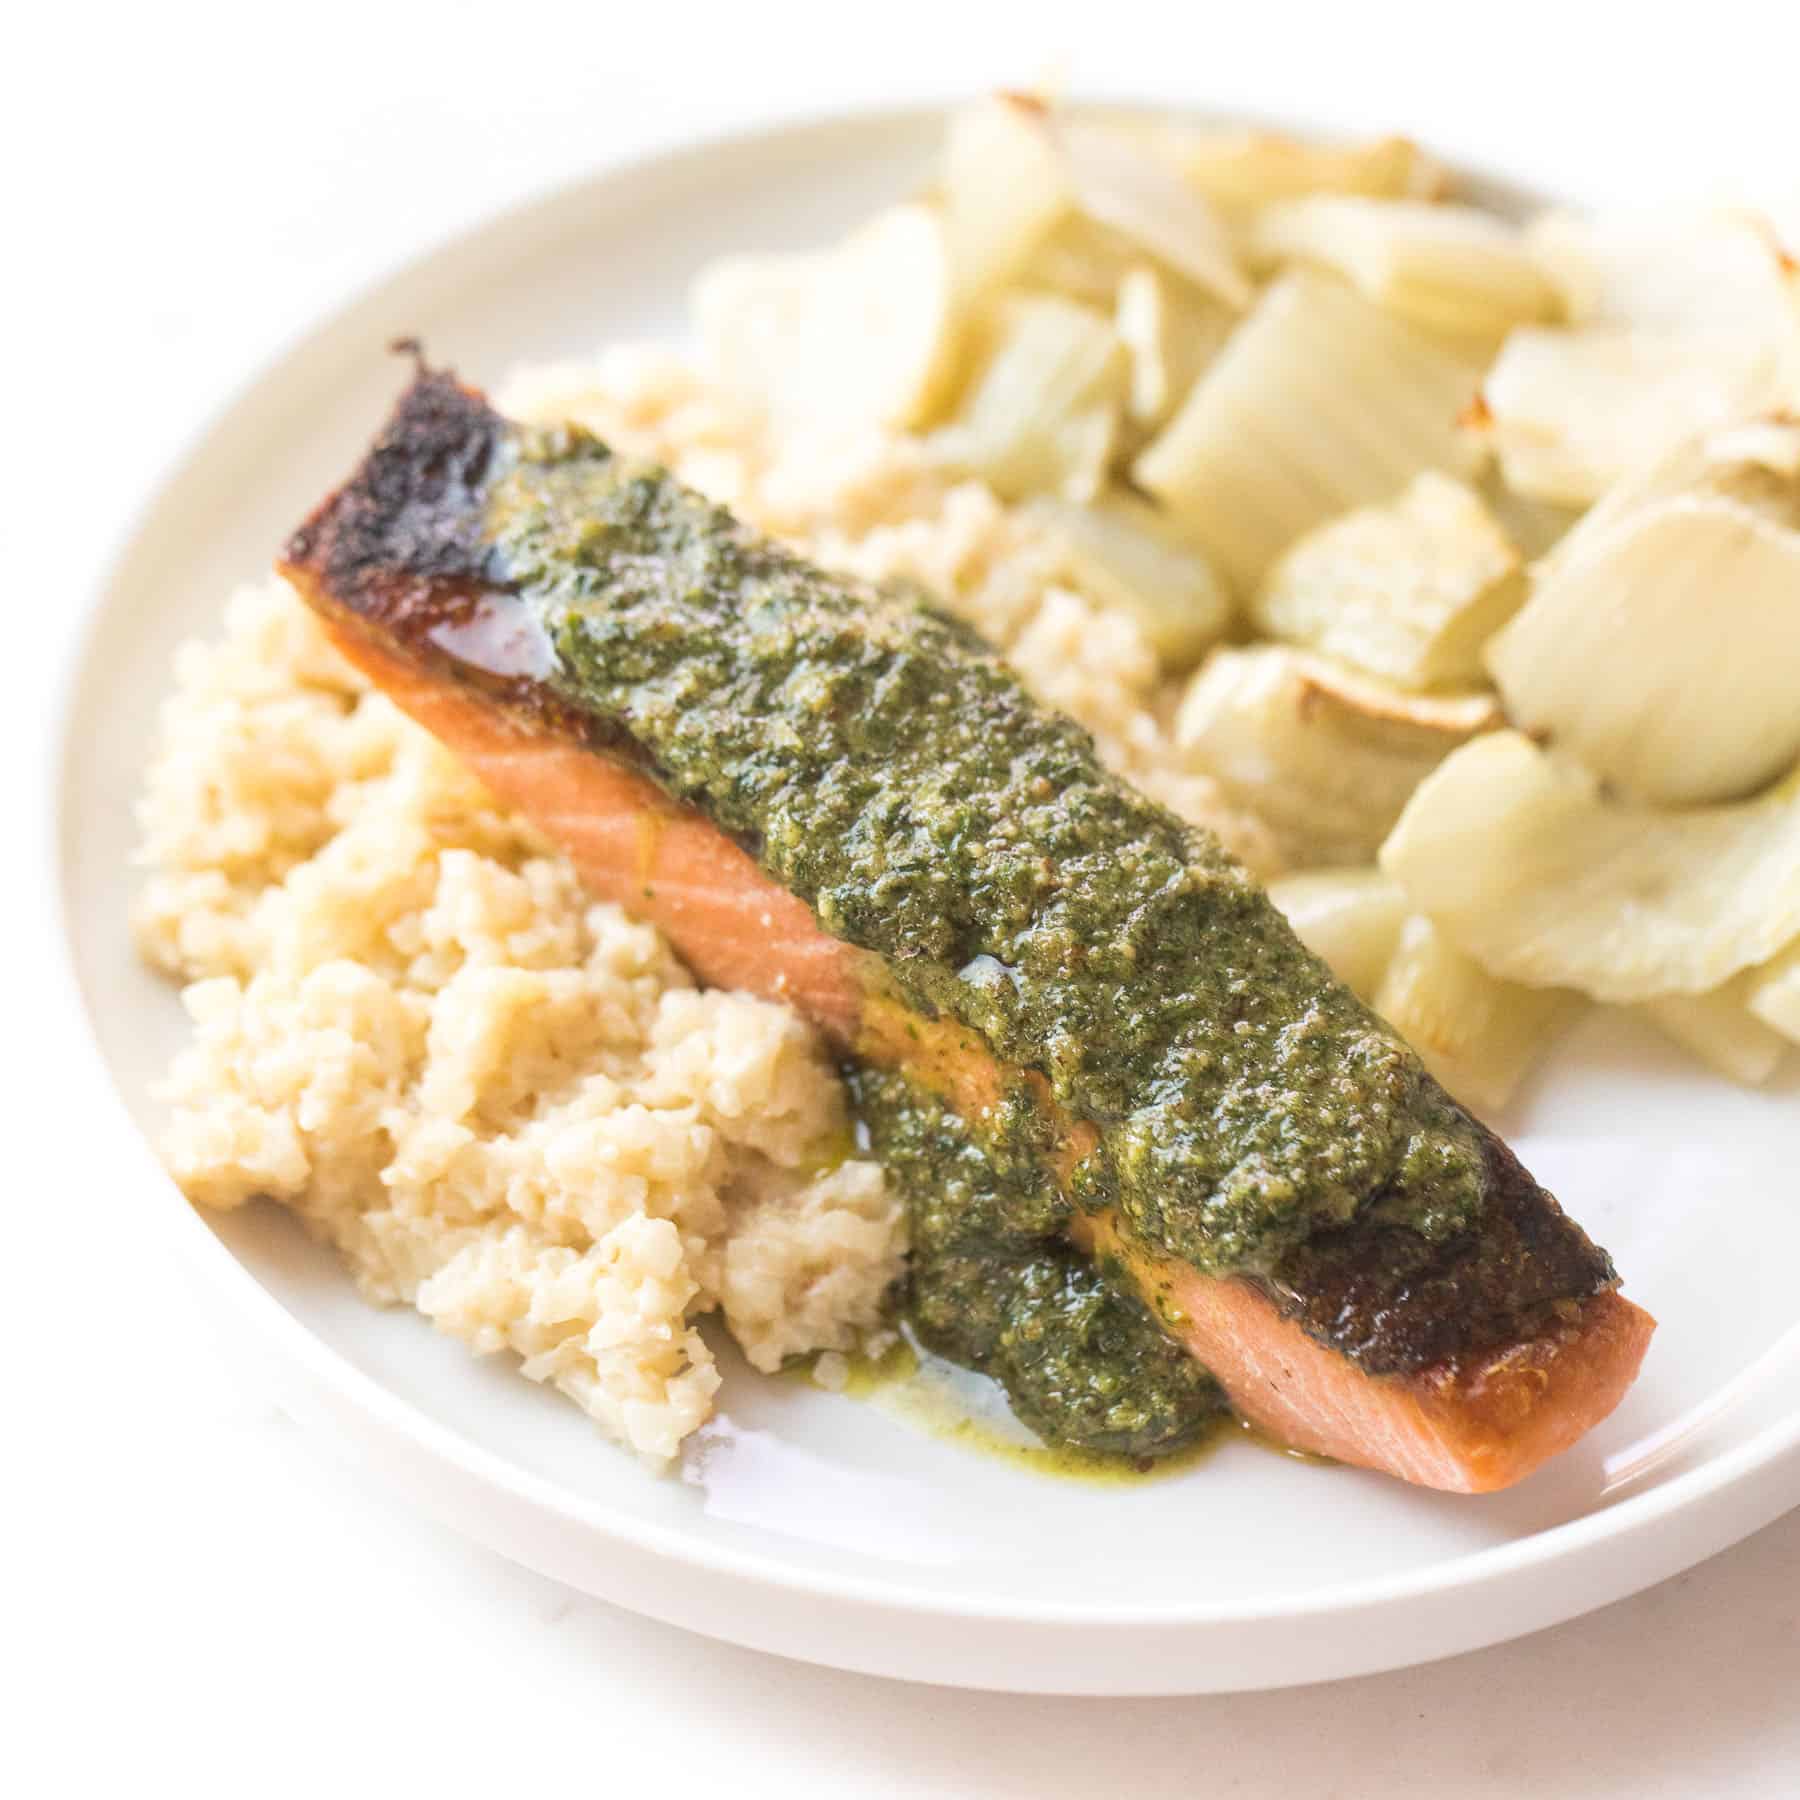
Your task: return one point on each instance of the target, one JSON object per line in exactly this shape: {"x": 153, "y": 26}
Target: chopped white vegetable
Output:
{"x": 1016, "y": 168}
{"x": 1004, "y": 190}
{"x": 1518, "y": 859}
{"x": 866, "y": 334}
{"x": 1349, "y": 918}
{"x": 1436, "y": 448}
{"x": 1410, "y": 591}
{"x": 1708, "y": 463}
{"x": 1479, "y": 1036}
{"x": 1120, "y": 553}
{"x": 1082, "y": 260}
{"x": 1171, "y": 333}
{"x": 1664, "y": 649}
{"x": 1571, "y": 412}
{"x": 1677, "y": 471}
{"x": 1318, "y": 402}
{"x": 1239, "y": 170}
{"x": 1774, "y": 993}
{"x": 1113, "y": 181}
{"x": 1535, "y": 526}
{"x": 1720, "y": 1029}
{"x": 1041, "y": 411}
{"x": 1326, "y": 756}
{"x": 1706, "y": 272}
{"x": 1453, "y": 269}
{"x": 1772, "y": 445}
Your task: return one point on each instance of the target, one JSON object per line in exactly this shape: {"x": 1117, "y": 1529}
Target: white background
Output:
{"x": 194, "y": 1594}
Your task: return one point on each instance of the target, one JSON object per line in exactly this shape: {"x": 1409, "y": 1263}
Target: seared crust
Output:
{"x": 1392, "y": 1301}
{"x": 1472, "y": 1423}
{"x": 1505, "y": 1414}
{"x": 404, "y": 533}
{"x": 399, "y": 552}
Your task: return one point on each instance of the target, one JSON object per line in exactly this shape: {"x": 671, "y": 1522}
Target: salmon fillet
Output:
{"x": 1460, "y": 1360}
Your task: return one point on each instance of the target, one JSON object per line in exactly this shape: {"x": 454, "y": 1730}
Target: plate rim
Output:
{"x": 1772, "y": 1454}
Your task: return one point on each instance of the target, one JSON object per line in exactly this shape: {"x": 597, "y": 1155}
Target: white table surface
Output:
{"x": 194, "y": 1591}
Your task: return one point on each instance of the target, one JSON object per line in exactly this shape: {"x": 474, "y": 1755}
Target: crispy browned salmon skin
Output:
{"x": 1460, "y": 1360}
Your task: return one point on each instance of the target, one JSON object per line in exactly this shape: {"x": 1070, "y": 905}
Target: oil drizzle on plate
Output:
{"x": 953, "y": 1403}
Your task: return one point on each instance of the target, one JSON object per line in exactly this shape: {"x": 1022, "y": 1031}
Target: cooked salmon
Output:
{"x": 1429, "y": 1311}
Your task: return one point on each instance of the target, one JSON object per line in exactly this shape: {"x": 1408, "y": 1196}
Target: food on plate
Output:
{"x": 1015, "y": 170}
{"x": 1677, "y": 326}
{"x": 1170, "y": 334}
{"x": 1122, "y": 552}
{"x": 1041, "y": 411}
{"x": 1674, "y": 699}
{"x": 1409, "y": 591}
{"x": 1477, "y": 1034}
{"x": 816, "y": 890}
{"x": 1332, "y": 756}
{"x": 499, "y": 1101}
{"x": 1774, "y": 993}
{"x": 1569, "y": 413}
{"x": 1523, "y": 862}
{"x": 1452, "y": 268}
{"x": 837, "y": 796}
{"x": 1349, "y": 918}
{"x": 1241, "y": 170}
{"x": 864, "y": 331}
{"x": 1720, "y": 271}
{"x": 1720, "y": 1028}
{"x": 1320, "y": 401}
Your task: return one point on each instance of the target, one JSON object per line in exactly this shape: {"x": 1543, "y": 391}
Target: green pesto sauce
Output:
{"x": 914, "y": 1386}
{"x": 994, "y": 1285}
{"x": 905, "y": 1382}
{"x": 888, "y": 768}
{"x": 883, "y": 764}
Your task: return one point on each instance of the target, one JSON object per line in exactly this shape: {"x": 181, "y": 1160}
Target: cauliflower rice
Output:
{"x": 504, "y": 1105}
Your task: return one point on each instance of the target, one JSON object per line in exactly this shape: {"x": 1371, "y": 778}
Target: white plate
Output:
{"x": 809, "y": 1524}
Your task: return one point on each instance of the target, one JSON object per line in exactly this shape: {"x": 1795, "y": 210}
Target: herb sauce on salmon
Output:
{"x": 1132, "y": 1113}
